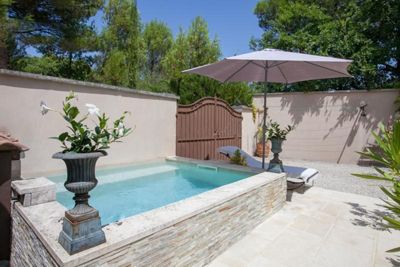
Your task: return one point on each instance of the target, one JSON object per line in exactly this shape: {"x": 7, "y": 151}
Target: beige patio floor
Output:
{"x": 318, "y": 228}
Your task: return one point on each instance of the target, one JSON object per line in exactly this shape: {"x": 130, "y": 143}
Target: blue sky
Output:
{"x": 232, "y": 21}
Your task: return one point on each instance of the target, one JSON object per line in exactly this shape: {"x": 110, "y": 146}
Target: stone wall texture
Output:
{"x": 194, "y": 241}
{"x": 201, "y": 238}
{"x": 26, "y": 248}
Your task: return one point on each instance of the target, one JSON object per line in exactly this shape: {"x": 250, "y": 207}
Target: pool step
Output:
{"x": 200, "y": 166}
{"x": 122, "y": 175}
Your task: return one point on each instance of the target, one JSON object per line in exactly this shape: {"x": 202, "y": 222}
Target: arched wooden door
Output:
{"x": 204, "y": 126}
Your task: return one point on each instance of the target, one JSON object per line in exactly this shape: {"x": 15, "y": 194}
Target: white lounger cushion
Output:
{"x": 295, "y": 174}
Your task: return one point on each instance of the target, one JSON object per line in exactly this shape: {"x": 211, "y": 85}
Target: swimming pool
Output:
{"x": 126, "y": 191}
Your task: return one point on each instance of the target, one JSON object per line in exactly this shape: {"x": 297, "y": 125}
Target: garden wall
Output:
{"x": 249, "y": 128}
{"x": 152, "y": 116}
{"x": 328, "y": 125}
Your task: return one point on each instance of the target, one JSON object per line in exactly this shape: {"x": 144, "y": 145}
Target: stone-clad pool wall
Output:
{"x": 26, "y": 248}
{"x": 191, "y": 232}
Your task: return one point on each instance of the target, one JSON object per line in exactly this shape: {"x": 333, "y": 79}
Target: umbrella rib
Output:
{"x": 277, "y": 64}
{"x": 269, "y": 67}
{"x": 236, "y": 72}
{"x": 317, "y": 65}
{"x": 258, "y": 65}
{"x": 284, "y": 76}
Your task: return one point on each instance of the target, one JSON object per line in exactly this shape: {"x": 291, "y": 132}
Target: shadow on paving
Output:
{"x": 299, "y": 190}
{"x": 395, "y": 261}
{"x": 369, "y": 218}
{"x": 373, "y": 219}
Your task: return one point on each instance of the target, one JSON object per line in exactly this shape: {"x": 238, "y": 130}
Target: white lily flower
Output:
{"x": 44, "y": 108}
{"x": 93, "y": 110}
{"x": 121, "y": 129}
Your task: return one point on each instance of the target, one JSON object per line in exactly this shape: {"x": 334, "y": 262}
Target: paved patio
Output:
{"x": 318, "y": 228}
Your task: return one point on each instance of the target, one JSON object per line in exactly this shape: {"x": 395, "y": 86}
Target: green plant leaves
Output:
{"x": 82, "y": 139}
{"x": 274, "y": 131}
{"x": 388, "y": 141}
{"x": 73, "y": 112}
{"x": 371, "y": 176}
{"x": 63, "y": 136}
{"x": 394, "y": 250}
{"x": 238, "y": 159}
{"x": 103, "y": 121}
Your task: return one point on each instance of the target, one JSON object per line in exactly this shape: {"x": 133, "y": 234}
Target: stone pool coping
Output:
{"x": 45, "y": 219}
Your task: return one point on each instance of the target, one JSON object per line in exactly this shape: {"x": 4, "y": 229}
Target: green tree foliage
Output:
{"x": 176, "y": 60}
{"x": 158, "y": 40}
{"x": 122, "y": 54}
{"x": 57, "y": 28}
{"x": 8, "y": 47}
{"x": 193, "y": 49}
{"x": 55, "y": 66}
{"x": 389, "y": 157}
{"x": 121, "y": 44}
{"x": 365, "y": 31}
{"x": 4, "y": 33}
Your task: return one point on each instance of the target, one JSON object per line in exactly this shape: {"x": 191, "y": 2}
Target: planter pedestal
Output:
{"x": 275, "y": 165}
{"x": 81, "y": 225}
{"x": 77, "y": 236}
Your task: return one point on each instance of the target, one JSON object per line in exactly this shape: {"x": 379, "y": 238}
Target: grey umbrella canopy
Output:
{"x": 274, "y": 66}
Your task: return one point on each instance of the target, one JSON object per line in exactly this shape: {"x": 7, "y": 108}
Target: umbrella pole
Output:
{"x": 264, "y": 128}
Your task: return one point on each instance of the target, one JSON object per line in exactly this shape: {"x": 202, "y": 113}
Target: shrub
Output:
{"x": 238, "y": 159}
{"x": 389, "y": 156}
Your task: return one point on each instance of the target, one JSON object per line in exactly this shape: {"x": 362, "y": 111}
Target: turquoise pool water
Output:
{"x": 123, "y": 192}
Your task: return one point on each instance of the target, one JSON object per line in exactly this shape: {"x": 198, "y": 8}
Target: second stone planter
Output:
{"x": 275, "y": 165}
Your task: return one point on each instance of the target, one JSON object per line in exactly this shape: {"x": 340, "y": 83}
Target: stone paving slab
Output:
{"x": 318, "y": 228}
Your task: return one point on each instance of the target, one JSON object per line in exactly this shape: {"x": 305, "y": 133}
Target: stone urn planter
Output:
{"x": 275, "y": 165}
{"x": 81, "y": 225}
{"x": 82, "y": 146}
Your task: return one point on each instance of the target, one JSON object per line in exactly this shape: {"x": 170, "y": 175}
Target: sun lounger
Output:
{"x": 296, "y": 175}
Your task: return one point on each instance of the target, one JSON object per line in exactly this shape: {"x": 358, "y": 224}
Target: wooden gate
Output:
{"x": 204, "y": 126}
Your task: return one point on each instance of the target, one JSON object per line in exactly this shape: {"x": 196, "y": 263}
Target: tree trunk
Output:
{"x": 70, "y": 65}
{"x": 3, "y": 55}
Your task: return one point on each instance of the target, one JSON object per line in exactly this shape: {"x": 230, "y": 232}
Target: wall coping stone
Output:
{"x": 259, "y": 95}
{"x": 86, "y": 84}
{"x": 241, "y": 108}
{"x": 34, "y": 191}
{"x": 45, "y": 221}
{"x": 32, "y": 185}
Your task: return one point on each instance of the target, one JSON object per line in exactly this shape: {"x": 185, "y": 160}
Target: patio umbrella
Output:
{"x": 274, "y": 66}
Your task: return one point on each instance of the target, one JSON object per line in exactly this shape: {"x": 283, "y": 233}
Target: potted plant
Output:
{"x": 277, "y": 135}
{"x": 82, "y": 146}
{"x": 259, "y": 145}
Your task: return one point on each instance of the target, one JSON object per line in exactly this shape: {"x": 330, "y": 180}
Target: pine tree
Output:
{"x": 56, "y": 28}
{"x": 121, "y": 45}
